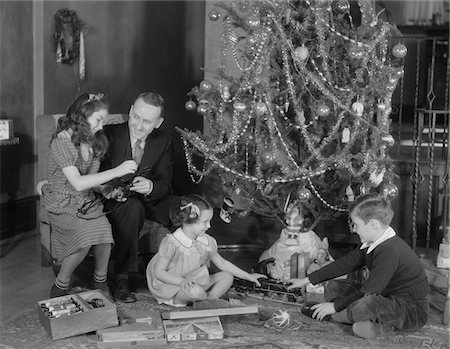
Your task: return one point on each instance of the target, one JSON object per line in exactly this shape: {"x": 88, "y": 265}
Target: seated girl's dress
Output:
{"x": 76, "y": 218}
{"x": 187, "y": 258}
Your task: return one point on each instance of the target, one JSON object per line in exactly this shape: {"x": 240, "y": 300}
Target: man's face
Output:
{"x": 144, "y": 118}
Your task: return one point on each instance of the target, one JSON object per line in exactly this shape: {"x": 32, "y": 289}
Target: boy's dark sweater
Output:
{"x": 395, "y": 269}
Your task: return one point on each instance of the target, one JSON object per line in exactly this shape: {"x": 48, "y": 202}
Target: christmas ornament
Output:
{"x": 363, "y": 189}
{"x": 323, "y": 110}
{"x": 358, "y": 108}
{"x": 381, "y": 107}
{"x": 350, "y": 194}
{"x": 268, "y": 157}
{"x": 260, "y": 108}
{"x": 356, "y": 52}
{"x": 388, "y": 139}
{"x": 345, "y": 135}
{"x": 376, "y": 177}
{"x": 252, "y": 21}
{"x": 340, "y": 6}
{"x": 302, "y": 53}
{"x": 202, "y": 109}
{"x": 389, "y": 191}
{"x": 398, "y": 72}
{"x": 205, "y": 85}
{"x": 252, "y": 39}
{"x": 213, "y": 15}
{"x": 281, "y": 319}
{"x": 239, "y": 106}
{"x": 304, "y": 194}
{"x": 225, "y": 92}
{"x": 399, "y": 50}
{"x": 190, "y": 105}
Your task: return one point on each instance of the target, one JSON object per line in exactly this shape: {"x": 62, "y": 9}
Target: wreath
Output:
{"x": 68, "y": 28}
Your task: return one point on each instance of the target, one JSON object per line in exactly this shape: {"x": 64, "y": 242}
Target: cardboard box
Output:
{"x": 77, "y": 314}
{"x": 193, "y": 329}
{"x": 6, "y": 129}
{"x": 143, "y": 328}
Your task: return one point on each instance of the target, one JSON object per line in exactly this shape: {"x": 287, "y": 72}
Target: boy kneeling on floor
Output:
{"x": 395, "y": 296}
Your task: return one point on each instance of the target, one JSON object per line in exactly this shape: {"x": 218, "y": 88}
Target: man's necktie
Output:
{"x": 138, "y": 152}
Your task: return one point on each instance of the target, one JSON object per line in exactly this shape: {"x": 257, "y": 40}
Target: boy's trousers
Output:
{"x": 403, "y": 312}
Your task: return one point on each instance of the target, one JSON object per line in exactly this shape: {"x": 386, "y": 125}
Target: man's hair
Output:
{"x": 152, "y": 98}
{"x": 372, "y": 206}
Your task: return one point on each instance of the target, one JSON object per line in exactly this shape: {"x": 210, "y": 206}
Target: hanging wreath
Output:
{"x": 68, "y": 30}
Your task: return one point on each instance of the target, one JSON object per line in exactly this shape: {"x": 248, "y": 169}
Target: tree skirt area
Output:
{"x": 241, "y": 332}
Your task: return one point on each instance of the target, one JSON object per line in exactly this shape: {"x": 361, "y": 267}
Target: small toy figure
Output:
{"x": 292, "y": 239}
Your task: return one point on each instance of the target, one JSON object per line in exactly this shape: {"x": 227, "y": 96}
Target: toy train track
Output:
{"x": 270, "y": 289}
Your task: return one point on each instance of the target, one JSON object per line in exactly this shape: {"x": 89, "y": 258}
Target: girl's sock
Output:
{"x": 62, "y": 284}
{"x": 100, "y": 277}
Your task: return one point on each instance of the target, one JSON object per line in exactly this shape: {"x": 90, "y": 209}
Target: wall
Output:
{"x": 133, "y": 46}
{"x": 16, "y": 97}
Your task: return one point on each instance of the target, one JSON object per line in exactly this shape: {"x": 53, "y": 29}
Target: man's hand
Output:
{"x": 142, "y": 185}
{"x": 298, "y": 283}
{"x": 323, "y": 309}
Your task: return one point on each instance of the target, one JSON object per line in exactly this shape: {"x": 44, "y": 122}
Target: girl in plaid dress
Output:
{"x": 76, "y": 217}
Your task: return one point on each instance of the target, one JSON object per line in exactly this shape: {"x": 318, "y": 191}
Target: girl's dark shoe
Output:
{"x": 103, "y": 286}
{"x": 57, "y": 292}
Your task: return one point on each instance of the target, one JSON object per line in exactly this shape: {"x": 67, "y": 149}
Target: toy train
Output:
{"x": 270, "y": 289}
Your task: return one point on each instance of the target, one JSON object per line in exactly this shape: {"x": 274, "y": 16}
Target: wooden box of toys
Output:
{"x": 78, "y": 313}
{"x": 143, "y": 329}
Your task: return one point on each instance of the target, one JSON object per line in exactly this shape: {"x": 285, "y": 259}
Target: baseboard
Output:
{"x": 17, "y": 217}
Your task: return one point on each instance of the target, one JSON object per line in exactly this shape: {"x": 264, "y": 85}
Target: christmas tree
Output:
{"x": 306, "y": 118}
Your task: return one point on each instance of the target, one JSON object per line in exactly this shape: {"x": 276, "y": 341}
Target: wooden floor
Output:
{"x": 24, "y": 282}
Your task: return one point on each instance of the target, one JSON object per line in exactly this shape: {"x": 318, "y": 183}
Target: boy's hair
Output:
{"x": 188, "y": 210}
{"x": 372, "y": 206}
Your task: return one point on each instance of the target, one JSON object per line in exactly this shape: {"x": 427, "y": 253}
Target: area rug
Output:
{"x": 251, "y": 331}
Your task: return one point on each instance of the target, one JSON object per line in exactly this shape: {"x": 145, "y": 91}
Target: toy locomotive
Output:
{"x": 270, "y": 289}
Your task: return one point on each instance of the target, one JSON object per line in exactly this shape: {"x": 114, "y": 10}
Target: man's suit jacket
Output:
{"x": 158, "y": 157}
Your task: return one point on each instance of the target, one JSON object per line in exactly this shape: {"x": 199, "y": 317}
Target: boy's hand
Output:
{"x": 298, "y": 283}
{"x": 254, "y": 278}
{"x": 323, "y": 309}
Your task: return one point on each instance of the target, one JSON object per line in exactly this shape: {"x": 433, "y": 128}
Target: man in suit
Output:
{"x": 148, "y": 192}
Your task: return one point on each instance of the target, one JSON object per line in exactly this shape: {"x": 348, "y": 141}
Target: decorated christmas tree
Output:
{"x": 306, "y": 117}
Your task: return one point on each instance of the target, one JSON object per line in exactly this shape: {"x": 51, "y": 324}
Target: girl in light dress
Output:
{"x": 178, "y": 273}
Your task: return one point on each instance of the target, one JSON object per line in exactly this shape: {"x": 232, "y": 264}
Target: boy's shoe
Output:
{"x": 57, "y": 292}
{"x": 306, "y": 310}
{"x": 103, "y": 286}
{"x": 370, "y": 330}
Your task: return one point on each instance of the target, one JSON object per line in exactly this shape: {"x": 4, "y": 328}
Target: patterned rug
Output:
{"x": 252, "y": 331}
